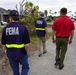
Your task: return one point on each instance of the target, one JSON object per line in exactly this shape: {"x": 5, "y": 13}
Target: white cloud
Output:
{"x": 8, "y": 4}
{"x": 54, "y": 5}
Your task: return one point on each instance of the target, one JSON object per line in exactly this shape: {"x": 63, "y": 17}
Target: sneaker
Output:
{"x": 57, "y": 62}
{"x": 44, "y": 52}
{"x": 39, "y": 55}
{"x": 61, "y": 67}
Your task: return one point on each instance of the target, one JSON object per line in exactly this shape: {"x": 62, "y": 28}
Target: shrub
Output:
{"x": 29, "y": 22}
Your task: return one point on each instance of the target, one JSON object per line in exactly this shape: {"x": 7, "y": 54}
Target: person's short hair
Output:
{"x": 63, "y": 11}
{"x": 14, "y": 14}
{"x": 42, "y": 14}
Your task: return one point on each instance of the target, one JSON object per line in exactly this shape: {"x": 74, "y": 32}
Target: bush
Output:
{"x": 29, "y": 22}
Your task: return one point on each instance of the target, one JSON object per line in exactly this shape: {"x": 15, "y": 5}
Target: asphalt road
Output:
{"x": 44, "y": 65}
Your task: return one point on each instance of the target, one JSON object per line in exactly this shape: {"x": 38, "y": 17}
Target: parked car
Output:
{"x": 3, "y": 23}
{"x": 48, "y": 19}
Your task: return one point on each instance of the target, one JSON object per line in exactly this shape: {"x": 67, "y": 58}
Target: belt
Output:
{"x": 62, "y": 37}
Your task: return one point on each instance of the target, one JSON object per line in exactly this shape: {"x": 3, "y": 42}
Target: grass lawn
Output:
{"x": 34, "y": 38}
{"x": 49, "y": 35}
{"x": 49, "y": 24}
{"x": 1, "y": 28}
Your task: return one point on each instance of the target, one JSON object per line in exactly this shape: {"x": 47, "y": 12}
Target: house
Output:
{"x": 4, "y": 15}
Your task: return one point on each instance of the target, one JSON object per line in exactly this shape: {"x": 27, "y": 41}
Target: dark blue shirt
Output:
{"x": 15, "y": 33}
{"x": 40, "y": 23}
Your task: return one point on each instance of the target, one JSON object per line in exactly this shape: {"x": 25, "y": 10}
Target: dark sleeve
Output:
{"x": 26, "y": 38}
{"x": 45, "y": 23}
{"x": 3, "y": 37}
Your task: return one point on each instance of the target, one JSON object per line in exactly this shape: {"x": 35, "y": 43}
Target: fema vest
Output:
{"x": 14, "y": 37}
{"x": 40, "y": 25}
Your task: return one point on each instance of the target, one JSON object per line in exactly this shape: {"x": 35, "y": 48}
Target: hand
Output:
{"x": 54, "y": 41}
{"x": 6, "y": 55}
{"x": 70, "y": 41}
{"x": 5, "y": 51}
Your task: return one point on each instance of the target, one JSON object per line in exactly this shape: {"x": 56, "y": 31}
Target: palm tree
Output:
{"x": 27, "y": 6}
{"x": 69, "y": 11}
{"x": 30, "y": 8}
{"x": 46, "y": 12}
{"x": 75, "y": 12}
{"x": 31, "y": 4}
{"x": 21, "y": 6}
{"x": 50, "y": 11}
{"x": 55, "y": 12}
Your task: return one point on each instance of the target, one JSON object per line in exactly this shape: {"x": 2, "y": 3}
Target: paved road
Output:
{"x": 45, "y": 65}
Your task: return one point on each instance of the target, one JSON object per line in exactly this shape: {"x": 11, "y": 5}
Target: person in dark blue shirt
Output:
{"x": 41, "y": 32}
{"x": 15, "y": 40}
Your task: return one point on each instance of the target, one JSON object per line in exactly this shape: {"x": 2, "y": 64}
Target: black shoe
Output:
{"x": 39, "y": 55}
{"x": 61, "y": 67}
{"x": 44, "y": 52}
{"x": 57, "y": 62}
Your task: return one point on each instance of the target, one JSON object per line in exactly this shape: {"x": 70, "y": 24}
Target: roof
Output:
{"x": 4, "y": 11}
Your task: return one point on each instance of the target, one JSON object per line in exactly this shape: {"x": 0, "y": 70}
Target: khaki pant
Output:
{"x": 61, "y": 48}
{"x": 41, "y": 41}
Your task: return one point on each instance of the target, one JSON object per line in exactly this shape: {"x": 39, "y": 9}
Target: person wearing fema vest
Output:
{"x": 41, "y": 32}
{"x": 63, "y": 28}
{"x": 16, "y": 42}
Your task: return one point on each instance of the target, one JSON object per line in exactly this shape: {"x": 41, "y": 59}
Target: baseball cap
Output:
{"x": 42, "y": 14}
{"x": 13, "y": 13}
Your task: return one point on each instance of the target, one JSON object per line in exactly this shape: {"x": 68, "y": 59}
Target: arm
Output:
{"x": 54, "y": 29}
{"x": 26, "y": 39}
{"x": 53, "y": 39}
{"x": 3, "y": 40}
{"x": 46, "y": 30}
{"x": 27, "y": 46}
{"x": 71, "y": 36}
{"x": 72, "y": 33}
{"x": 3, "y": 47}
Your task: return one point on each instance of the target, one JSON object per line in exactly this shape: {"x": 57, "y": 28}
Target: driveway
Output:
{"x": 44, "y": 65}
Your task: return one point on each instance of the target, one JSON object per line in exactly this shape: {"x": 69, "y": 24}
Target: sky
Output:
{"x": 54, "y": 5}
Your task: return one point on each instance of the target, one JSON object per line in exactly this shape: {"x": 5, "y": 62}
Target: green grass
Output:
{"x": 34, "y": 38}
{"x": 49, "y": 35}
{"x": 1, "y": 28}
{"x": 49, "y": 24}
